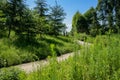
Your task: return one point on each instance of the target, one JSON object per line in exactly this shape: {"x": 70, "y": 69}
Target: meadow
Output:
{"x": 98, "y": 61}
{"x": 19, "y": 50}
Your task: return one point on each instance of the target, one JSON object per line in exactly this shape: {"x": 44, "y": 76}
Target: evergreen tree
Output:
{"x": 14, "y": 11}
{"x": 41, "y": 7}
{"x": 89, "y": 15}
{"x": 57, "y": 15}
{"x": 101, "y": 12}
{"x": 28, "y": 23}
{"x": 95, "y": 28}
{"x": 106, "y": 11}
{"x": 2, "y": 17}
{"x": 79, "y": 23}
{"x": 41, "y": 17}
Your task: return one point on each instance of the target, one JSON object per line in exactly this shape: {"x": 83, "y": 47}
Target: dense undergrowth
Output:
{"x": 19, "y": 50}
{"x": 98, "y": 61}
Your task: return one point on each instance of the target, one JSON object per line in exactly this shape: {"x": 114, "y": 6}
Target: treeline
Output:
{"x": 42, "y": 19}
{"x": 104, "y": 18}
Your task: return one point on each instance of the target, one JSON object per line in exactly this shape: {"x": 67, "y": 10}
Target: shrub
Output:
{"x": 12, "y": 74}
{"x": 64, "y": 49}
{"x": 98, "y": 61}
{"x": 65, "y": 39}
{"x": 82, "y": 37}
{"x": 8, "y": 56}
{"x": 28, "y": 57}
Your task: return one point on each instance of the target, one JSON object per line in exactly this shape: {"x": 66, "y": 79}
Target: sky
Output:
{"x": 70, "y": 7}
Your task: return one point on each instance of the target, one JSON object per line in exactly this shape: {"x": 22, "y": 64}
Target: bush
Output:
{"x": 82, "y": 37}
{"x": 28, "y": 57}
{"x": 98, "y": 61}
{"x": 12, "y": 74}
{"x": 9, "y": 56}
{"x": 62, "y": 50}
{"x": 15, "y": 51}
{"x": 65, "y": 39}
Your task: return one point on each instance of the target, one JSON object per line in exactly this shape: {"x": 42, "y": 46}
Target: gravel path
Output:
{"x": 32, "y": 66}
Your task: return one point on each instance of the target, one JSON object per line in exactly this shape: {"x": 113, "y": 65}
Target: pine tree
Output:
{"x": 106, "y": 11}
{"x": 41, "y": 16}
{"x": 41, "y": 7}
{"x": 14, "y": 11}
{"x": 95, "y": 27}
{"x": 57, "y": 15}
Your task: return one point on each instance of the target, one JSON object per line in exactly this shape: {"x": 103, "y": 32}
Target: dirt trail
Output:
{"x": 32, "y": 66}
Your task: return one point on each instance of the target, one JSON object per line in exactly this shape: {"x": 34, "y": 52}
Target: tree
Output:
{"x": 2, "y": 18}
{"x": 106, "y": 10}
{"x": 89, "y": 15}
{"x": 42, "y": 26}
{"x": 79, "y": 23}
{"x": 100, "y": 9}
{"x": 41, "y": 7}
{"x": 28, "y": 29}
{"x": 117, "y": 13}
{"x": 13, "y": 12}
{"x": 95, "y": 28}
{"x": 57, "y": 15}
{"x": 63, "y": 30}
{"x": 41, "y": 17}
{"x": 2, "y": 23}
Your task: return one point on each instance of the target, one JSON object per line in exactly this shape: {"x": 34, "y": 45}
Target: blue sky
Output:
{"x": 70, "y": 7}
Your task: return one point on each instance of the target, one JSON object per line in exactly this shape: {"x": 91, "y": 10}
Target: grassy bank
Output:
{"x": 99, "y": 61}
{"x": 19, "y": 50}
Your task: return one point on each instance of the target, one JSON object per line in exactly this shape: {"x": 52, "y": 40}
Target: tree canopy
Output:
{"x": 42, "y": 19}
{"x": 103, "y": 18}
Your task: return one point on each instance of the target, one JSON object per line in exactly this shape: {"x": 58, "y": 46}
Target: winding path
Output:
{"x": 32, "y": 66}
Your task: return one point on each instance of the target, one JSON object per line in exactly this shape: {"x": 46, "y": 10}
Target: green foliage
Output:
{"x": 27, "y": 26}
{"x": 79, "y": 23}
{"x": 61, "y": 46}
{"x": 74, "y": 21}
{"x": 2, "y": 18}
{"x": 98, "y": 61}
{"x": 57, "y": 15}
{"x": 16, "y": 16}
{"x": 65, "y": 39}
{"x": 27, "y": 57}
{"x": 41, "y": 7}
{"x": 41, "y": 16}
{"x": 108, "y": 12}
{"x": 8, "y": 55}
{"x": 16, "y": 51}
{"x": 12, "y": 74}
{"x": 98, "y": 20}
{"x": 82, "y": 37}
{"x": 89, "y": 15}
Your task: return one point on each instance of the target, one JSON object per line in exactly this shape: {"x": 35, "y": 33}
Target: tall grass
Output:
{"x": 99, "y": 61}
{"x": 18, "y": 50}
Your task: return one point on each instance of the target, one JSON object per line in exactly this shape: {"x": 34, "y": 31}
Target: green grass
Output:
{"x": 100, "y": 61}
{"x": 18, "y": 50}
{"x": 85, "y": 37}
{"x": 12, "y": 74}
